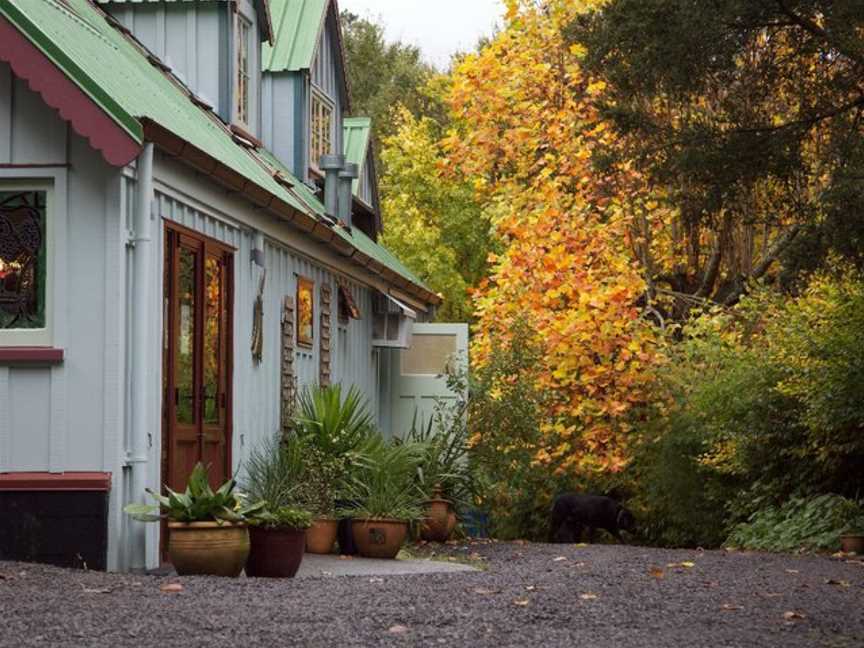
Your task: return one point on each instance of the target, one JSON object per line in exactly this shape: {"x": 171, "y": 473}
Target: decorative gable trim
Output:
{"x": 86, "y": 117}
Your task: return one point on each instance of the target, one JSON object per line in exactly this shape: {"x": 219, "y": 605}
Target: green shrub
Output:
{"x": 801, "y": 524}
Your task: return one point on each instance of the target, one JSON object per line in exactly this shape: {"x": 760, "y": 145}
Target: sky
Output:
{"x": 439, "y": 27}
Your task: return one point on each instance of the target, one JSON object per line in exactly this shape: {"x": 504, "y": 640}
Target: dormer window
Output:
{"x": 241, "y": 94}
{"x": 321, "y": 124}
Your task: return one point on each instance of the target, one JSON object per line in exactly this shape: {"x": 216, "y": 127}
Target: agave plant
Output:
{"x": 382, "y": 481}
{"x": 333, "y": 424}
{"x": 198, "y": 503}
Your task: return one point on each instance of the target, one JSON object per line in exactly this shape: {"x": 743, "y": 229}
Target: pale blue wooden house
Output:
{"x": 188, "y": 235}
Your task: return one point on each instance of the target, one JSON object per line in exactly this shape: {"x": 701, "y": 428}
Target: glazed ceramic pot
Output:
{"x": 379, "y": 538}
{"x": 321, "y": 536}
{"x": 275, "y": 553}
{"x": 208, "y": 548}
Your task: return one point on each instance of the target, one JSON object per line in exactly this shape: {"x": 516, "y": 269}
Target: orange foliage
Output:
{"x": 528, "y": 132}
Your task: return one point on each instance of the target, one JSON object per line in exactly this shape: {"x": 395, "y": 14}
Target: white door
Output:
{"x": 420, "y": 372}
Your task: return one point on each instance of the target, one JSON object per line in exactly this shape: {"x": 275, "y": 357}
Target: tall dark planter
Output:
{"x": 275, "y": 553}
{"x": 345, "y": 534}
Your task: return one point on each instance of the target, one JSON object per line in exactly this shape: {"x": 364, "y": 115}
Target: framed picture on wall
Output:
{"x": 305, "y": 311}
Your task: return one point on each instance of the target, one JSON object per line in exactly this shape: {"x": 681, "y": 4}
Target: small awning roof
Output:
{"x": 406, "y": 310}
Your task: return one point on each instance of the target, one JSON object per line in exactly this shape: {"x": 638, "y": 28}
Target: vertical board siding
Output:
{"x": 280, "y": 94}
{"x": 186, "y": 36}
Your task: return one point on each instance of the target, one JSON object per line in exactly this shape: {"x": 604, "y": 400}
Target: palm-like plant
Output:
{"x": 276, "y": 472}
{"x": 333, "y": 424}
{"x": 382, "y": 482}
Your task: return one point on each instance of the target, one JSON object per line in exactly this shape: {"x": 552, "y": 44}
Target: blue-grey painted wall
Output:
{"x": 197, "y": 40}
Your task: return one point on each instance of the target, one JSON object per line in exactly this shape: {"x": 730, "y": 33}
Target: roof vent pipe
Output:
{"x": 331, "y": 165}
{"x": 347, "y": 176}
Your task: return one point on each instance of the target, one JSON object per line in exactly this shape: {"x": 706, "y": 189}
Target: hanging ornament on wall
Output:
{"x": 258, "y": 321}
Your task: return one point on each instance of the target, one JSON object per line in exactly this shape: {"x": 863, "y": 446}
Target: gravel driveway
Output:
{"x": 528, "y": 595}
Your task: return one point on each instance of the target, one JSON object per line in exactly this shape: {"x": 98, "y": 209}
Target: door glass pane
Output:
{"x": 212, "y": 337}
{"x": 429, "y": 355}
{"x": 185, "y": 362}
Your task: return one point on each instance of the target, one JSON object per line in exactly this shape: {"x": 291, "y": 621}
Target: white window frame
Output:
{"x": 318, "y": 96}
{"x": 242, "y": 26}
{"x": 53, "y": 183}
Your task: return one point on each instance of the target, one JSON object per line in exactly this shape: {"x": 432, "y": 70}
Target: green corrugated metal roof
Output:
{"x": 117, "y": 76}
{"x": 357, "y": 132}
{"x": 296, "y": 27}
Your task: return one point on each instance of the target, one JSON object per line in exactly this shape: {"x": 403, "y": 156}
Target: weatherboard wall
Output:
{"x": 68, "y": 416}
{"x": 193, "y": 38}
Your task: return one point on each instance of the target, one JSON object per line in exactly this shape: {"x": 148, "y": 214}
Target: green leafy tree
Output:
{"x": 432, "y": 220}
{"x": 382, "y": 75}
{"x": 750, "y": 115}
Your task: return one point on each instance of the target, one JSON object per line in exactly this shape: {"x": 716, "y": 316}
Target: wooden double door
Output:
{"x": 198, "y": 298}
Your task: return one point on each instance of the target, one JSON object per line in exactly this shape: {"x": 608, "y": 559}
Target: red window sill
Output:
{"x": 41, "y": 481}
{"x": 30, "y": 355}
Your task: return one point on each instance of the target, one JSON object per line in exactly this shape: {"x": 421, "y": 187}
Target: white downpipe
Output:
{"x": 141, "y": 352}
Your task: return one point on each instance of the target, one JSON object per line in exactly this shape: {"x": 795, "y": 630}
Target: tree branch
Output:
{"x": 814, "y": 29}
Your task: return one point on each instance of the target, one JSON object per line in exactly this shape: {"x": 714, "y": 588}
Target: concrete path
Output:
{"x": 332, "y": 565}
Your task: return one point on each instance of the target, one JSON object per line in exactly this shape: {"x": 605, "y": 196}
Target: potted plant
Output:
{"x": 276, "y": 473}
{"x": 383, "y": 486}
{"x": 852, "y": 541}
{"x": 277, "y": 542}
{"x": 445, "y": 474}
{"x": 207, "y": 530}
{"x": 332, "y": 427}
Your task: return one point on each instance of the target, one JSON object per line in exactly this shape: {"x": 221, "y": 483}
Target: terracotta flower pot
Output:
{"x": 321, "y": 536}
{"x": 451, "y": 523}
{"x": 852, "y": 543}
{"x": 434, "y": 527}
{"x": 379, "y": 538}
{"x": 275, "y": 553}
{"x": 208, "y": 548}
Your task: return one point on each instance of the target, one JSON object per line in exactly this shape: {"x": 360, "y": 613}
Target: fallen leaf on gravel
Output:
{"x": 588, "y": 596}
{"x": 792, "y": 615}
{"x": 521, "y": 602}
{"x": 731, "y": 607}
{"x": 839, "y": 583}
{"x": 398, "y": 629}
{"x": 856, "y": 562}
{"x": 581, "y": 545}
{"x": 772, "y": 595}
{"x": 343, "y": 557}
{"x": 685, "y": 565}
{"x": 483, "y": 591}
{"x": 792, "y": 571}
{"x": 171, "y": 588}
{"x": 376, "y": 580}
{"x": 97, "y": 590}
{"x": 559, "y": 559}
{"x": 657, "y": 573}
{"x": 475, "y": 556}
{"x": 530, "y": 588}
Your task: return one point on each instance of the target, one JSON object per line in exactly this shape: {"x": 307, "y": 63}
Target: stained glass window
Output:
{"x": 305, "y": 311}
{"x": 22, "y": 259}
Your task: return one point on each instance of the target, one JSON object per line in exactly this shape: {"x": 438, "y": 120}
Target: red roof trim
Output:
{"x": 30, "y": 355}
{"x": 87, "y": 118}
{"x": 42, "y": 481}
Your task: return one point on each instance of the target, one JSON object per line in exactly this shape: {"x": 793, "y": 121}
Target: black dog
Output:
{"x": 571, "y": 513}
